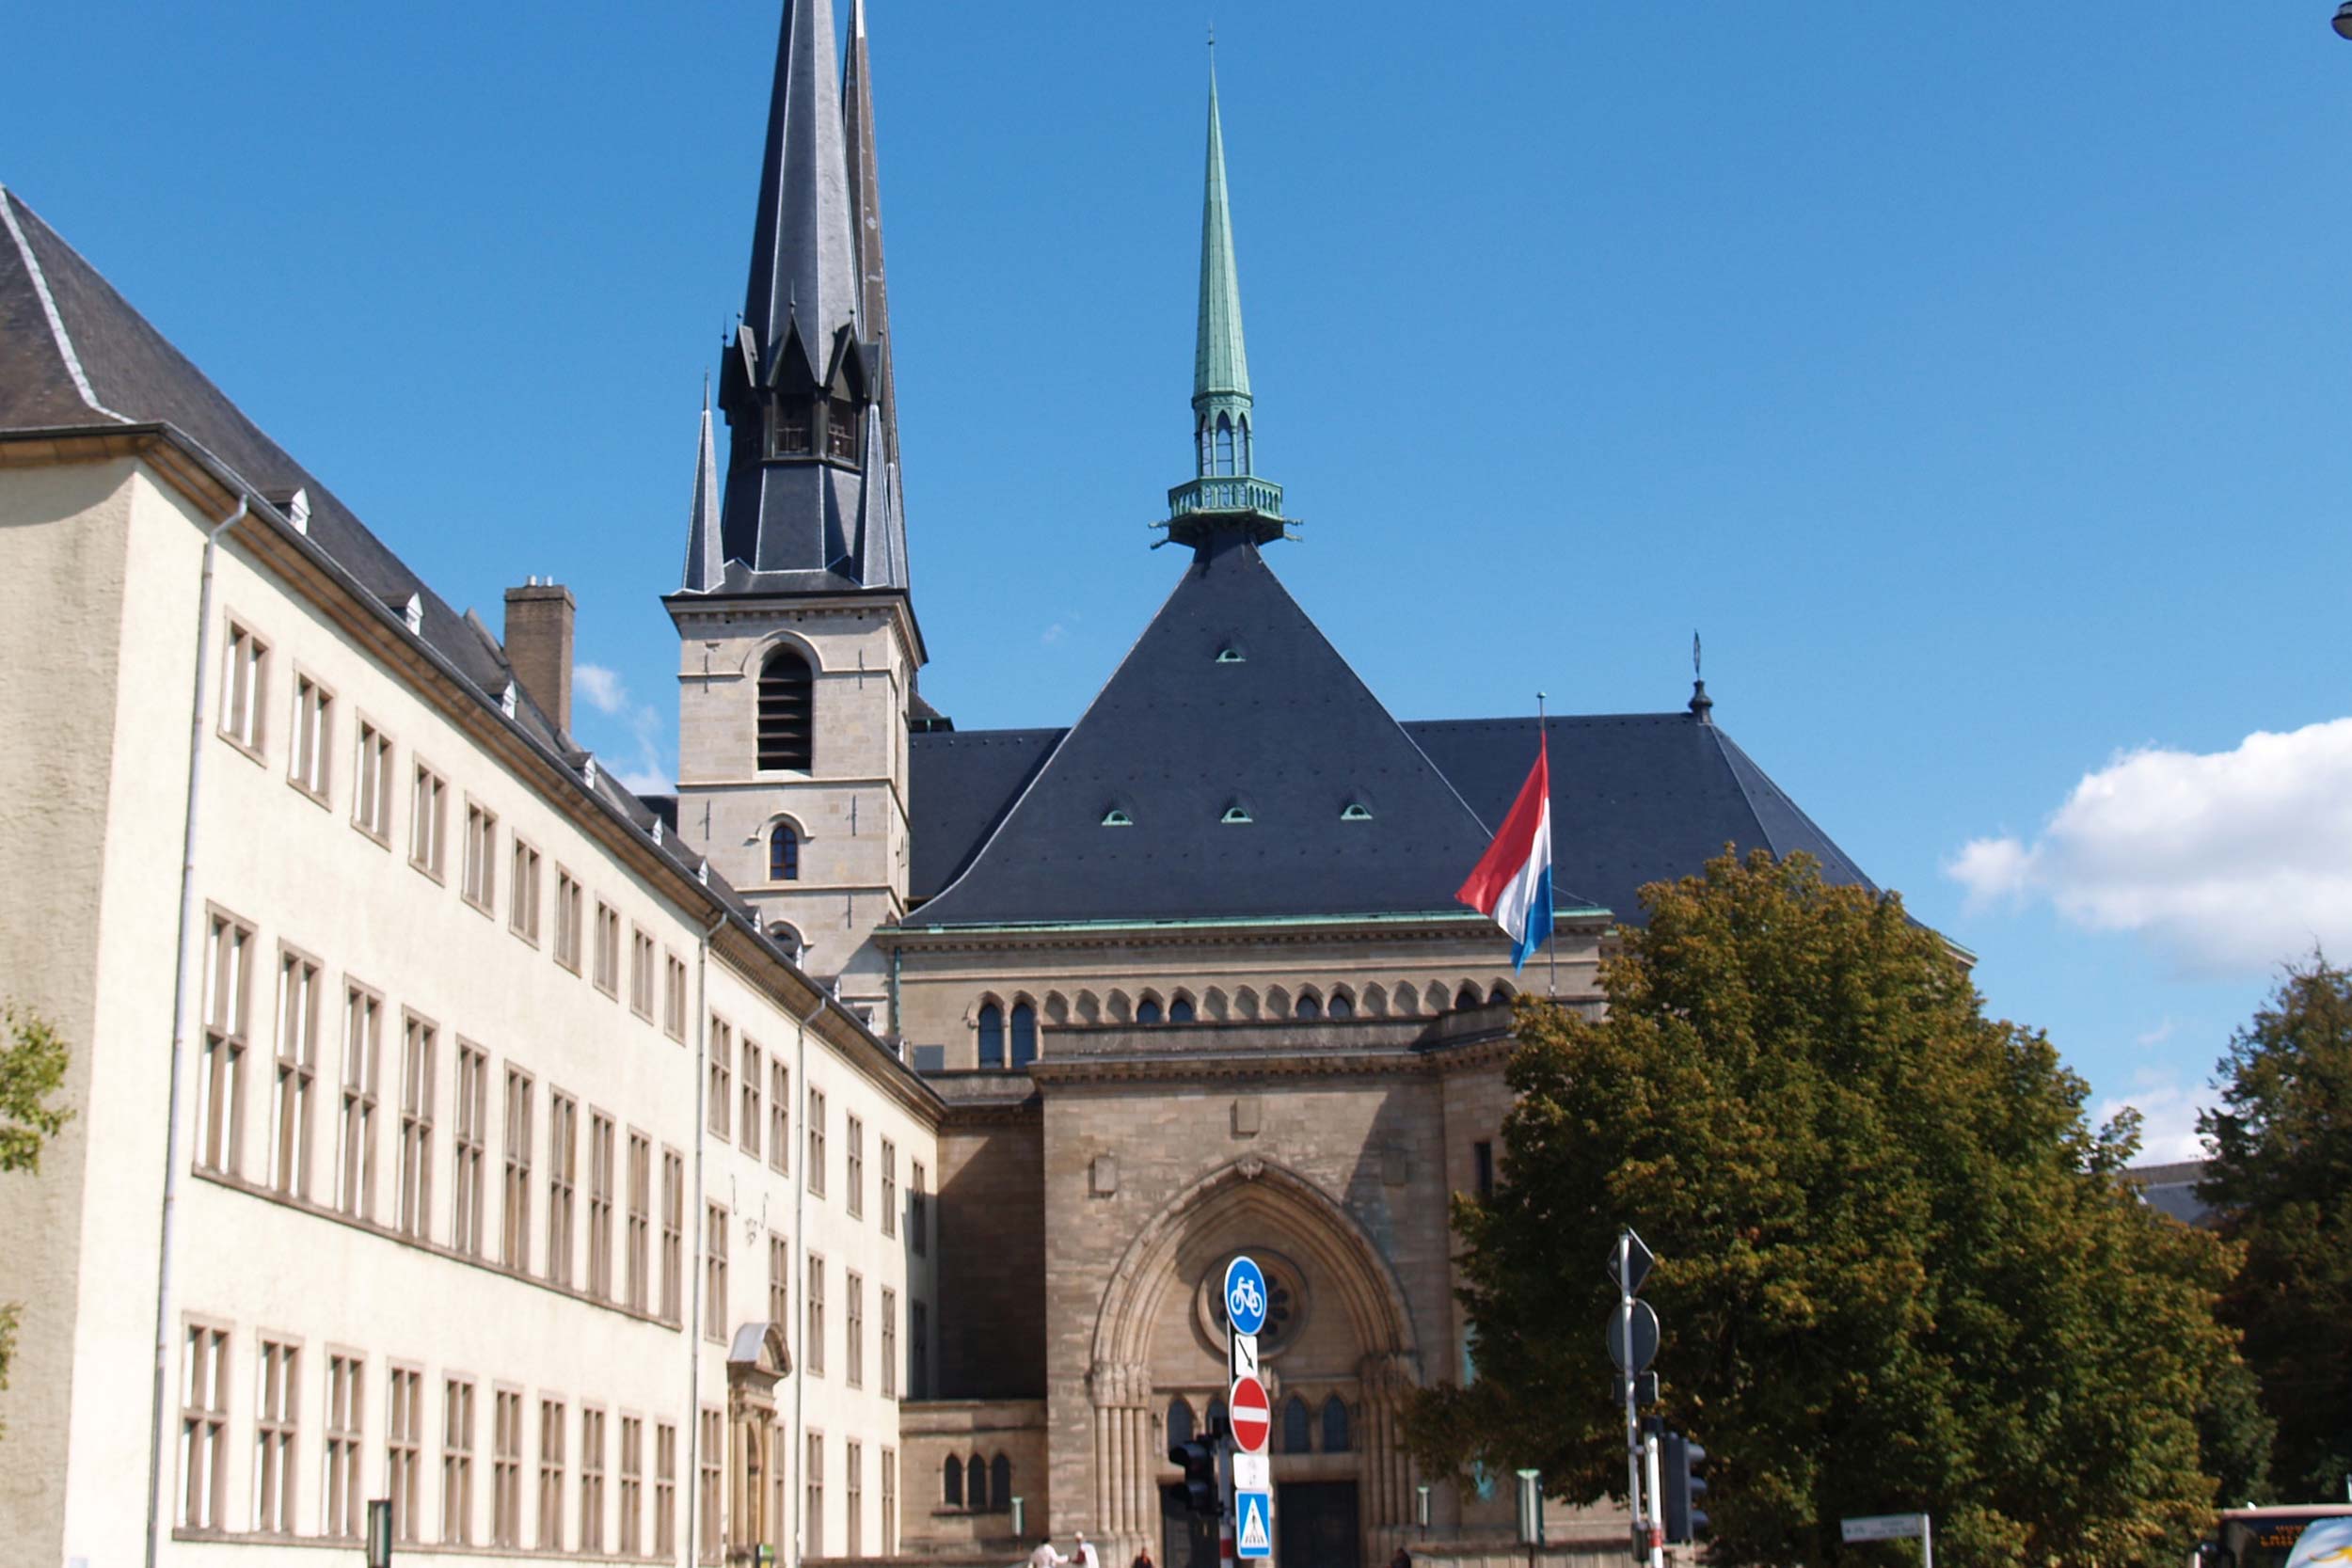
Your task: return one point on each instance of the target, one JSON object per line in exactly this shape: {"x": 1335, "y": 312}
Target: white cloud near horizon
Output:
{"x": 604, "y": 691}
{"x": 2227, "y": 862}
{"x": 2167, "y": 1113}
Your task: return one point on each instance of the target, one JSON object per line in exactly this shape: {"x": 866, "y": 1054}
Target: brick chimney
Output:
{"x": 540, "y": 645}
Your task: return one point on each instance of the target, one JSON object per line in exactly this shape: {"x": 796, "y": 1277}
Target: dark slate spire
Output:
{"x": 705, "y": 563}
{"x": 1226, "y": 497}
{"x": 884, "y": 535}
{"x": 810, "y": 499}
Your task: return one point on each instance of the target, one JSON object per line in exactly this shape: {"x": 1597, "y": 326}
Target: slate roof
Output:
{"x": 1280, "y": 729}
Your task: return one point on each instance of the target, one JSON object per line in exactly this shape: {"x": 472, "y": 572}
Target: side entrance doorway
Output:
{"x": 1316, "y": 1525}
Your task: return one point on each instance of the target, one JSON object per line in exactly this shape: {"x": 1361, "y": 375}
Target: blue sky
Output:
{"x": 1973, "y": 377}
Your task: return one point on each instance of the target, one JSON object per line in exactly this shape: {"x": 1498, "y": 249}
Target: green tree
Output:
{"x": 32, "y": 1067}
{"x": 2281, "y": 1175}
{"x": 1896, "y": 1270}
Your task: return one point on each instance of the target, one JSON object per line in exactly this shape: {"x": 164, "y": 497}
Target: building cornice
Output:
{"x": 687, "y": 606}
{"x": 1283, "y": 929}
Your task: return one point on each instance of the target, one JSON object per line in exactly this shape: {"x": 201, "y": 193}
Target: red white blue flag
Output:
{"x": 1512, "y": 884}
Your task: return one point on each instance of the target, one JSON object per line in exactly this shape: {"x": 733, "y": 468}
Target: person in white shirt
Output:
{"x": 1045, "y": 1557}
{"x": 1086, "y": 1557}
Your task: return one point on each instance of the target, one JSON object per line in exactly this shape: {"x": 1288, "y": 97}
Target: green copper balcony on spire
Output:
{"x": 1226, "y": 493}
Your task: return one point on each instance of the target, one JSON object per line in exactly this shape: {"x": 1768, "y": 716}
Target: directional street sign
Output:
{"x": 1252, "y": 1472}
{"x": 1644, "y": 1338}
{"x": 1241, "y": 1355}
{"x": 1883, "y": 1526}
{"x": 1638, "y": 1262}
{"x": 1251, "y": 1414}
{"x": 1254, "y": 1515}
{"x": 1245, "y": 1296}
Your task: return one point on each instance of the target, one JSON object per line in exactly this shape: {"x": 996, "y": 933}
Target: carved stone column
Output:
{"x": 1387, "y": 1379}
{"x": 1121, "y": 1396}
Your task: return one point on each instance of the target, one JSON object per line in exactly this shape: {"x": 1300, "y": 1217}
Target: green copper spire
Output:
{"x": 1219, "y": 362}
{"x": 1225, "y": 498}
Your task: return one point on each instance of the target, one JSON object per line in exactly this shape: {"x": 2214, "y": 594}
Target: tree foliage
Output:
{"x": 2281, "y": 1175}
{"x": 32, "y": 1067}
{"x": 1897, "y": 1270}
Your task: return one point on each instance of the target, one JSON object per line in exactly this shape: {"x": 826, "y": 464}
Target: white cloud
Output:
{"x": 601, "y": 687}
{"x": 2168, "y": 1117}
{"x": 2157, "y": 1036}
{"x": 2228, "y": 862}
{"x": 604, "y": 691}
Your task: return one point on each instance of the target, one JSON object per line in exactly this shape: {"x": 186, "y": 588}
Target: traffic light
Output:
{"x": 1684, "y": 1487}
{"x": 1198, "y": 1460}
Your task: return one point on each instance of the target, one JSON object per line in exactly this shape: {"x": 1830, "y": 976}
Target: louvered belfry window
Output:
{"x": 787, "y": 711}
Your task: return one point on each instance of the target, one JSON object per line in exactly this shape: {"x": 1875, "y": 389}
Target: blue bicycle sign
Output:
{"x": 1245, "y": 1296}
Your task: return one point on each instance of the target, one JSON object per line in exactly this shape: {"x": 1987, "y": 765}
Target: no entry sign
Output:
{"x": 1251, "y": 1415}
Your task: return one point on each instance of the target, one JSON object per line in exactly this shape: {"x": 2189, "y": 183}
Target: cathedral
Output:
{"x": 869, "y": 1119}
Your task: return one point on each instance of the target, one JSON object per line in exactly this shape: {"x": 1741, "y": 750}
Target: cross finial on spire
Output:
{"x": 1702, "y": 705}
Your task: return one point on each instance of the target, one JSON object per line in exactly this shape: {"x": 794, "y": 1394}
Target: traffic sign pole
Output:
{"x": 1626, "y": 1283}
{"x": 1246, "y": 1520}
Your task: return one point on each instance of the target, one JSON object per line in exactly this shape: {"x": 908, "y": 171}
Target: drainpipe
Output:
{"x": 800, "y": 1235}
{"x": 697, "y": 1264}
{"x": 180, "y": 975}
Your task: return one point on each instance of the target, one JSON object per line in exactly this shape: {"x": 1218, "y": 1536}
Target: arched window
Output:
{"x": 1334, "y": 1425}
{"x": 787, "y": 704}
{"x": 1217, "y": 1411}
{"x": 1000, "y": 1482}
{"x": 976, "y": 1478}
{"x": 1224, "y": 444}
{"x": 991, "y": 1039}
{"x": 951, "y": 1483}
{"x": 1244, "y": 444}
{"x": 1024, "y": 1034}
{"x": 1296, "y": 1426}
{"x": 1148, "y": 1011}
{"x": 1207, "y": 448}
{"x": 1309, "y": 1006}
{"x": 1180, "y": 1010}
{"x": 1179, "y": 1421}
{"x": 1340, "y": 1007}
{"x": 1501, "y": 993}
{"x": 783, "y": 854}
{"x": 786, "y": 937}
{"x": 841, "y": 431}
{"x": 1466, "y": 997}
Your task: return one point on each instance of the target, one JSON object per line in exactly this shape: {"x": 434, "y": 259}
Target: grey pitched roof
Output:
{"x": 962, "y": 783}
{"x": 1279, "y": 730}
{"x": 804, "y": 260}
{"x": 2171, "y": 1189}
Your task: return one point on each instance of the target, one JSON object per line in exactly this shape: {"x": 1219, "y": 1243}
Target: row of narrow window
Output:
{"x": 1225, "y": 446}
{"x": 795, "y": 434}
{"x": 1308, "y": 1004}
{"x": 976, "y": 1484}
{"x": 1299, "y": 1429}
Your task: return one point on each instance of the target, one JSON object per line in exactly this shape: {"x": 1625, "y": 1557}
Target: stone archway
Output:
{"x": 1248, "y": 1203}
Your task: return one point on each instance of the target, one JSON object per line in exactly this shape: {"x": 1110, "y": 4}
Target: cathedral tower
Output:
{"x": 797, "y": 639}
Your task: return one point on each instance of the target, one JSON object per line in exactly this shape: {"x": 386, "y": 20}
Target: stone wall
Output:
{"x": 992, "y": 1249}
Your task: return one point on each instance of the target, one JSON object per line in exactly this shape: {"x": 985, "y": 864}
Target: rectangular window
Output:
{"x": 674, "y": 997}
{"x": 515, "y": 1234}
{"x": 563, "y": 1181}
{"x": 665, "y": 1491}
{"x": 403, "y": 1458}
{"x": 371, "y": 801}
{"x": 479, "y": 883}
{"x": 639, "y": 1218}
{"x": 220, "y": 1078}
{"x": 522, "y": 893}
{"x": 710, "y": 1463}
{"x": 815, "y": 1174}
{"x": 854, "y": 1169}
{"x": 853, "y": 1301}
{"x": 779, "y": 1114}
{"x": 1483, "y": 1163}
{"x": 550, "y": 1475}
{"x": 507, "y": 1469}
{"x": 889, "y": 1502}
{"x": 608, "y": 949}
{"x": 244, "y": 690}
{"x": 346, "y": 1493}
{"x": 815, "y": 1476}
{"x": 918, "y": 1350}
{"x": 457, "y": 1461}
{"x": 632, "y": 1541}
{"x": 354, "y": 1132}
{"x": 307, "y": 768}
{"x": 471, "y": 1137}
{"x": 918, "y": 1211}
{"x": 416, "y": 1129}
{"x": 715, "y": 1273}
{"x": 753, "y": 1068}
{"x": 722, "y": 1080}
{"x": 600, "y": 1176}
{"x": 427, "y": 799}
{"x": 641, "y": 957}
{"x": 853, "y": 1494}
{"x": 275, "y": 1405}
{"x": 592, "y": 1481}
{"x": 298, "y": 988}
{"x": 204, "y": 1428}
{"x": 889, "y": 1343}
{"x": 813, "y": 1338}
{"x": 672, "y": 1236}
{"x": 780, "y": 1282}
{"x": 569, "y": 900}
{"x": 889, "y": 1188}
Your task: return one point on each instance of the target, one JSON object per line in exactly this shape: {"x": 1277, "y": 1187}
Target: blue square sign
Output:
{"x": 1254, "y": 1524}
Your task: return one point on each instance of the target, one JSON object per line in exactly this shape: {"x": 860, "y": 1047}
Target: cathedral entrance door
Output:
{"x": 1186, "y": 1540}
{"x": 1316, "y": 1525}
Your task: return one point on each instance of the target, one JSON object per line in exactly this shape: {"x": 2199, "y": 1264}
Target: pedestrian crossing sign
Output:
{"x": 1254, "y": 1511}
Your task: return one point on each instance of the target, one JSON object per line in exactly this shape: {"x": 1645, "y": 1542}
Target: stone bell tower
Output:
{"x": 797, "y": 635}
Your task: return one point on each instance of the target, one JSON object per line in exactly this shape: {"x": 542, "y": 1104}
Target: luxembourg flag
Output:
{"x": 1512, "y": 884}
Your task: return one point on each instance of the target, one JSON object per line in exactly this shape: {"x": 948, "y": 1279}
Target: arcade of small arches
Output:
{"x": 976, "y": 1484}
{"x": 1008, "y": 1031}
{"x": 1300, "y": 1425}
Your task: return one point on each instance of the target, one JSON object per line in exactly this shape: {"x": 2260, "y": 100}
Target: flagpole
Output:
{"x": 1551, "y": 892}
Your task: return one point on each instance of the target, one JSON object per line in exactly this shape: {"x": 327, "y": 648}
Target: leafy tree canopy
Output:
{"x": 32, "y": 1067}
{"x": 2281, "y": 1175}
{"x": 1897, "y": 1270}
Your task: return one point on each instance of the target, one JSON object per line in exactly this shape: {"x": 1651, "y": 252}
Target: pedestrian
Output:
{"x": 1402, "y": 1557}
{"x": 1143, "y": 1557}
{"x": 1045, "y": 1557}
{"x": 1086, "y": 1557}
